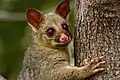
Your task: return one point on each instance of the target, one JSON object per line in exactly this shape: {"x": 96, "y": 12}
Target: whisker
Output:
{"x": 51, "y": 38}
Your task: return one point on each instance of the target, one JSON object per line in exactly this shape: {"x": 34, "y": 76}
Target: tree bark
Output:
{"x": 97, "y": 33}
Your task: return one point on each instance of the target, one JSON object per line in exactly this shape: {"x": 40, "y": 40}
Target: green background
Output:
{"x": 14, "y": 31}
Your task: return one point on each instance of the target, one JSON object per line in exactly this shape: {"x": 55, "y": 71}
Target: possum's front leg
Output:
{"x": 77, "y": 73}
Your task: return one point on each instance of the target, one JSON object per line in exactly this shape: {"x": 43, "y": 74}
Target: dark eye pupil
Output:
{"x": 65, "y": 27}
{"x": 50, "y": 32}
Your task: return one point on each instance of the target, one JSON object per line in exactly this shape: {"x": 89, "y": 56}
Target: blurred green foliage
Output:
{"x": 14, "y": 34}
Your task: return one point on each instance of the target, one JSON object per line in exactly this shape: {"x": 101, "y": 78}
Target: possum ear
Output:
{"x": 34, "y": 18}
{"x": 63, "y": 8}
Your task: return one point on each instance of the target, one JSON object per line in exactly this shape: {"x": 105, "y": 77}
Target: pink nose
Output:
{"x": 63, "y": 38}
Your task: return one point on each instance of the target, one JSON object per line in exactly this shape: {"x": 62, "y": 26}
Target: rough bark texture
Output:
{"x": 98, "y": 33}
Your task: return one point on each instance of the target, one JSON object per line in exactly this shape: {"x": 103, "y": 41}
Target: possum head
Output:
{"x": 51, "y": 29}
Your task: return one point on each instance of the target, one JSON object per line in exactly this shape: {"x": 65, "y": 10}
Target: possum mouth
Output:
{"x": 64, "y": 43}
{"x": 63, "y": 39}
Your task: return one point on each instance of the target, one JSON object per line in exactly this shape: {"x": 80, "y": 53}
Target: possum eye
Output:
{"x": 50, "y": 32}
{"x": 65, "y": 27}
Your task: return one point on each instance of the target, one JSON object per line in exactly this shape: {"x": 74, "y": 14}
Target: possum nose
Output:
{"x": 63, "y": 38}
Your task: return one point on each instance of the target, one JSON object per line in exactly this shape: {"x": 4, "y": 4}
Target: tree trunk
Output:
{"x": 97, "y": 33}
